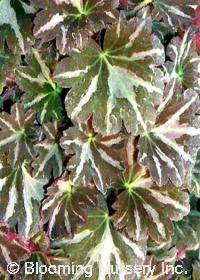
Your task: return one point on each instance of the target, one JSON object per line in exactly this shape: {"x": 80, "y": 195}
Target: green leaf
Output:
{"x": 50, "y": 155}
{"x": 169, "y": 149}
{"x": 141, "y": 207}
{"x": 118, "y": 83}
{"x": 95, "y": 157}
{"x": 20, "y": 197}
{"x": 65, "y": 206}
{"x": 17, "y": 134}
{"x": 16, "y": 24}
{"x": 72, "y": 22}
{"x": 41, "y": 93}
{"x": 99, "y": 245}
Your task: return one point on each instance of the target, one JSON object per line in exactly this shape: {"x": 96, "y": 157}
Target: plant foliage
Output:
{"x": 100, "y": 137}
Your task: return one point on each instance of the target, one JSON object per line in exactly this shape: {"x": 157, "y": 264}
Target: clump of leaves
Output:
{"x": 100, "y": 136}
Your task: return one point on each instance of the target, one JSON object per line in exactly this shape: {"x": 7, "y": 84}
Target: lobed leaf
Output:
{"x": 175, "y": 13}
{"x": 20, "y": 197}
{"x": 65, "y": 207}
{"x": 13, "y": 248}
{"x": 99, "y": 245}
{"x": 159, "y": 273}
{"x": 8, "y": 61}
{"x": 187, "y": 232}
{"x": 72, "y": 22}
{"x": 94, "y": 156}
{"x": 50, "y": 155}
{"x": 169, "y": 148}
{"x": 17, "y": 134}
{"x": 41, "y": 93}
{"x": 141, "y": 207}
{"x": 184, "y": 62}
{"x": 42, "y": 254}
{"x": 16, "y": 24}
{"x": 166, "y": 251}
{"x": 118, "y": 83}
{"x": 195, "y": 178}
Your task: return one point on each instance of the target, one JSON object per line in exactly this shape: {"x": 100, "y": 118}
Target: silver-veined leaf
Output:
{"x": 119, "y": 83}
{"x": 99, "y": 246}
{"x": 169, "y": 149}
{"x": 195, "y": 177}
{"x": 144, "y": 209}
{"x": 65, "y": 206}
{"x": 8, "y": 62}
{"x": 187, "y": 232}
{"x": 17, "y": 134}
{"x": 13, "y": 248}
{"x": 20, "y": 197}
{"x": 184, "y": 64}
{"x": 50, "y": 155}
{"x": 175, "y": 13}
{"x": 41, "y": 93}
{"x": 42, "y": 254}
{"x": 71, "y": 23}
{"x": 16, "y": 24}
{"x": 94, "y": 156}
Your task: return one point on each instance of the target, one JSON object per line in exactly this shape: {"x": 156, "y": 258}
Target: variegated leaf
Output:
{"x": 175, "y": 13}
{"x": 187, "y": 231}
{"x": 156, "y": 272}
{"x": 13, "y": 248}
{"x": 42, "y": 254}
{"x": 72, "y": 22}
{"x": 8, "y": 62}
{"x": 20, "y": 197}
{"x": 50, "y": 155}
{"x": 184, "y": 64}
{"x": 99, "y": 246}
{"x": 144, "y": 209}
{"x": 41, "y": 93}
{"x": 95, "y": 157}
{"x": 166, "y": 251}
{"x": 17, "y": 134}
{"x": 118, "y": 83}
{"x": 169, "y": 148}
{"x": 16, "y": 24}
{"x": 196, "y": 177}
{"x": 65, "y": 206}
{"x": 196, "y": 270}
{"x": 162, "y": 30}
